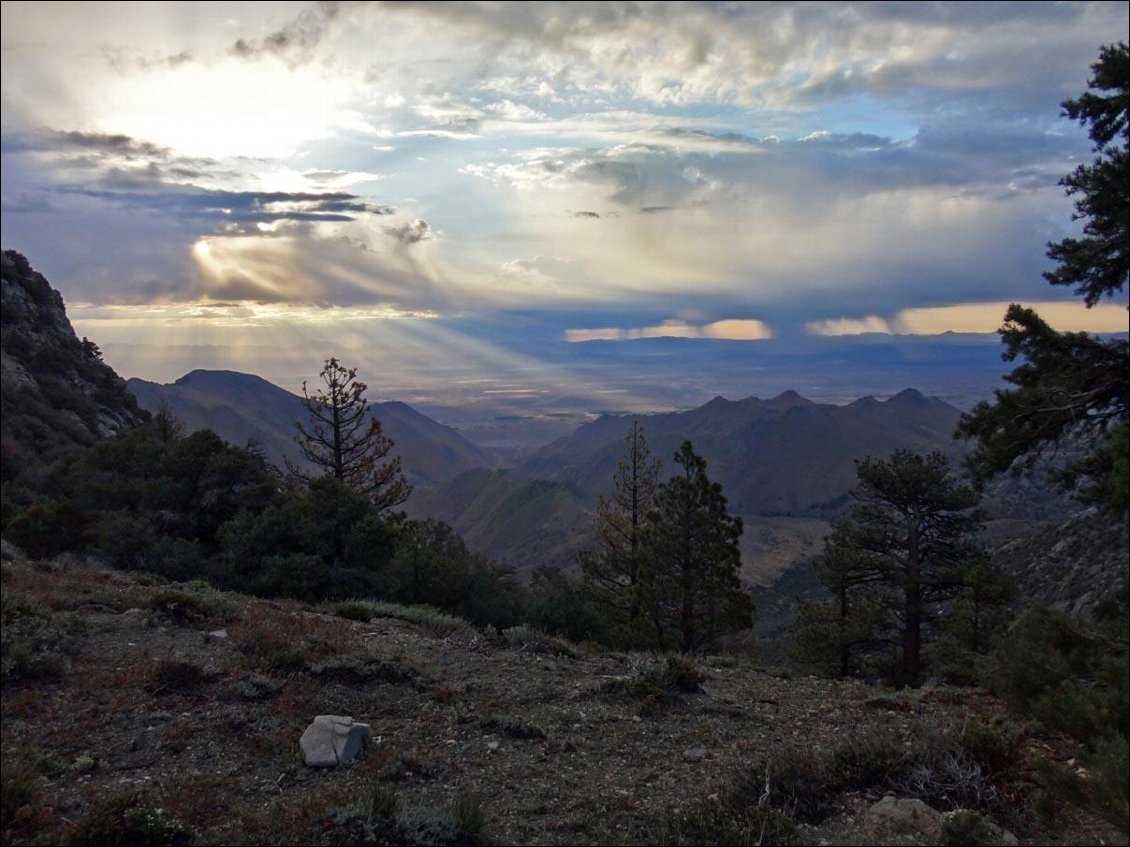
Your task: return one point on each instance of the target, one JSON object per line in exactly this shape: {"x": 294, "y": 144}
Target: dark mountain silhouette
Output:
{"x": 243, "y": 408}
{"x": 58, "y": 395}
{"x": 782, "y": 456}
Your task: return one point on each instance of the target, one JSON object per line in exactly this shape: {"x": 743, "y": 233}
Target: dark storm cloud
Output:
{"x": 296, "y": 41}
{"x": 190, "y": 202}
{"x": 410, "y": 233}
{"x": 94, "y": 143}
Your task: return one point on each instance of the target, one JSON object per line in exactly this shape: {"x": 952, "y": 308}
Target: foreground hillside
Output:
{"x": 120, "y": 690}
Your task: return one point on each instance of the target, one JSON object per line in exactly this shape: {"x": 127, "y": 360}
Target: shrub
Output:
{"x": 352, "y": 610}
{"x": 964, "y": 827}
{"x": 514, "y": 727}
{"x": 34, "y": 638}
{"x": 16, "y": 791}
{"x": 128, "y": 820}
{"x": 432, "y": 619}
{"x": 175, "y": 675}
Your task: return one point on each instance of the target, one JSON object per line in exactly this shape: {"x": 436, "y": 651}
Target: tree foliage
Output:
{"x": 693, "y": 593}
{"x": 615, "y": 573}
{"x": 1098, "y": 263}
{"x": 904, "y": 552}
{"x": 1071, "y": 389}
{"x": 346, "y": 441}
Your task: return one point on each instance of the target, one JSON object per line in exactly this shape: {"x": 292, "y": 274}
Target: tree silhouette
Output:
{"x": 905, "y": 547}
{"x": 691, "y": 546}
{"x": 346, "y": 441}
{"x": 615, "y": 573}
{"x": 1072, "y": 388}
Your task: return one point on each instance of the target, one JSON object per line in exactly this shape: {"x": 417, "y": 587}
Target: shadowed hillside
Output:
{"x": 784, "y": 456}
{"x": 243, "y": 408}
{"x": 58, "y": 396}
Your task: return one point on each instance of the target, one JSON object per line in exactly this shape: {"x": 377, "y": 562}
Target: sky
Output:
{"x": 469, "y": 194}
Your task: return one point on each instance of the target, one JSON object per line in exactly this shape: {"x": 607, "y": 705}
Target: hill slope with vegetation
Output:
{"x": 57, "y": 396}
{"x": 131, "y": 704}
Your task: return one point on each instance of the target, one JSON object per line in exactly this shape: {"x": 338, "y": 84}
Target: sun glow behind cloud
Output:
{"x": 731, "y": 329}
{"x": 977, "y": 317}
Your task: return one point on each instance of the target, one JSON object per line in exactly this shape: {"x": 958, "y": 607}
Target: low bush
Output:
{"x": 130, "y": 820}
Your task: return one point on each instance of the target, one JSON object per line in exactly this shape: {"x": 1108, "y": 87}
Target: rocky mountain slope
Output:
{"x": 242, "y": 407}
{"x": 123, "y": 697}
{"x": 57, "y": 393}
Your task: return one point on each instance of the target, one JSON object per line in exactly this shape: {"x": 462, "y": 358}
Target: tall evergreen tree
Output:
{"x": 905, "y": 549}
{"x": 1073, "y": 388}
{"x": 615, "y": 573}
{"x": 694, "y": 593}
{"x": 347, "y": 442}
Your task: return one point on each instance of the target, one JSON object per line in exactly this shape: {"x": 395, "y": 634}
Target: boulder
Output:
{"x": 333, "y": 740}
{"x": 895, "y": 820}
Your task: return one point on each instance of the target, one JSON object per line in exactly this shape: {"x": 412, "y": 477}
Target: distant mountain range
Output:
{"x": 778, "y": 460}
{"x": 243, "y": 408}
{"x": 784, "y": 456}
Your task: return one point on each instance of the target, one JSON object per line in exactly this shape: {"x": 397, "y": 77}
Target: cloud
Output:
{"x": 412, "y": 232}
{"x": 729, "y": 329}
{"x": 130, "y": 60}
{"x": 97, "y": 143}
{"x": 1065, "y": 316}
{"x": 294, "y": 42}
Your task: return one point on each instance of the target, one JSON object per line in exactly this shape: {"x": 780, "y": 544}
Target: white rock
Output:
{"x": 333, "y": 740}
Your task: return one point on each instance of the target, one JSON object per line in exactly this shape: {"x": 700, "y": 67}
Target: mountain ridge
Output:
{"x": 244, "y": 407}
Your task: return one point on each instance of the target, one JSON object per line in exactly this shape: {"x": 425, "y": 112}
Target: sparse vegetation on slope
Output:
{"x": 478, "y": 739}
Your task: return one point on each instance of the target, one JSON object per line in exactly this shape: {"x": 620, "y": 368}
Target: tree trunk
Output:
{"x": 912, "y": 624}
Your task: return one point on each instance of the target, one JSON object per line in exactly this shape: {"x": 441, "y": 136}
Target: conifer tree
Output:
{"x": 1072, "y": 388}
{"x": 905, "y": 549}
{"x": 694, "y": 593}
{"x": 347, "y": 442}
{"x": 615, "y": 573}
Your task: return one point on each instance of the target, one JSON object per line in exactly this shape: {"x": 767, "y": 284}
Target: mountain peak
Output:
{"x": 910, "y": 395}
{"x": 213, "y": 379}
{"x": 788, "y": 399}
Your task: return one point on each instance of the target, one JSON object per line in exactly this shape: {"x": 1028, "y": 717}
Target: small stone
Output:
{"x": 695, "y": 754}
{"x": 333, "y": 740}
{"x": 219, "y": 634}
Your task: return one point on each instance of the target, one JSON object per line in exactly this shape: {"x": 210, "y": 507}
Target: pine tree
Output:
{"x": 1072, "y": 388}
{"x": 615, "y": 573}
{"x": 905, "y": 549}
{"x": 346, "y": 442}
{"x": 690, "y": 542}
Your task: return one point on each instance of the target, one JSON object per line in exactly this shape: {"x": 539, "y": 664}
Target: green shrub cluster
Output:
{"x": 1074, "y": 676}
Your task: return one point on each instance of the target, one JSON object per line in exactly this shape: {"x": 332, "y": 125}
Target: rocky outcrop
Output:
{"x": 1074, "y": 565}
{"x": 58, "y": 394}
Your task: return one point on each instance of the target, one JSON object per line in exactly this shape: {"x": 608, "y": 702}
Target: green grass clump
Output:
{"x": 432, "y": 619}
